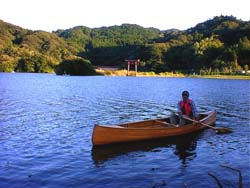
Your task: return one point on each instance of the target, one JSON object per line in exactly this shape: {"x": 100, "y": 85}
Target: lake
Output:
{"x": 46, "y": 124}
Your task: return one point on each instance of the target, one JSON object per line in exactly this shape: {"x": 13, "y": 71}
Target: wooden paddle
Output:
{"x": 219, "y": 130}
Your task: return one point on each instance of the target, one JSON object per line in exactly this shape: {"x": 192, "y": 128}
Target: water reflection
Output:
{"x": 183, "y": 146}
{"x": 186, "y": 149}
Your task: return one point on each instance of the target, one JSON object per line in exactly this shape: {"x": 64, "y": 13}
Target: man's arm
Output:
{"x": 179, "y": 109}
{"x": 194, "y": 110}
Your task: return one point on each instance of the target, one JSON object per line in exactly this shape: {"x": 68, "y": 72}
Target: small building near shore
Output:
{"x": 106, "y": 68}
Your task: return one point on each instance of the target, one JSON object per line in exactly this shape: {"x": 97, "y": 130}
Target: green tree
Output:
{"x": 7, "y": 63}
{"x": 246, "y": 69}
{"x": 76, "y": 66}
{"x": 203, "y": 45}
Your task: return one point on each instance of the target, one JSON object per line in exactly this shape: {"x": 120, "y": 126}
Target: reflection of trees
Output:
{"x": 184, "y": 148}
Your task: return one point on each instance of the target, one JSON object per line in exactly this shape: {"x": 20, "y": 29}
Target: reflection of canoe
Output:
{"x": 145, "y": 130}
{"x": 183, "y": 146}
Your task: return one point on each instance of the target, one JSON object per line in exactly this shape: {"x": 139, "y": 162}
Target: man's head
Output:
{"x": 185, "y": 95}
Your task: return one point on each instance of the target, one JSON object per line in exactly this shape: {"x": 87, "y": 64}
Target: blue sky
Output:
{"x": 49, "y": 15}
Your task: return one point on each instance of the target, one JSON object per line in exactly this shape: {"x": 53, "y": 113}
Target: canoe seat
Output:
{"x": 165, "y": 123}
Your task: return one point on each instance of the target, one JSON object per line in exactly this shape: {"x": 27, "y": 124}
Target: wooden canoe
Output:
{"x": 145, "y": 130}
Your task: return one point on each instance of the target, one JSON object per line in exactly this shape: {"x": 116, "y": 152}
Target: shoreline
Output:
{"x": 161, "y": 75}
{"x": 170, "y": 75}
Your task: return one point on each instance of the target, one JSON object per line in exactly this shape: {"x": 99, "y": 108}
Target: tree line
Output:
{"x": 218, "y": 45}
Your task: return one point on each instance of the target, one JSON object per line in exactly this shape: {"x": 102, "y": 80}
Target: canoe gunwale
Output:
{"x": 122, "y": 126}
{"x": 113, "y": 133}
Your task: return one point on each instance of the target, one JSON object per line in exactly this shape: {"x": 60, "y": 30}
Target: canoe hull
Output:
{"x": 114, "y": 134}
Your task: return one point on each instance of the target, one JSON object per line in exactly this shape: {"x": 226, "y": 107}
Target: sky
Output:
{"x": 50, "y": 15}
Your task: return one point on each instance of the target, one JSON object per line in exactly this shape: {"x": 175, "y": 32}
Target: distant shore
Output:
{"x": 164, "y": 75}
{"x": 169, "y": 74}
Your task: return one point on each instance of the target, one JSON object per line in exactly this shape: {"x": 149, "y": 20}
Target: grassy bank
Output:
{"x": 168, "y": 74}
{"x": 242, "y": 77}
{"x": 132, "y": 73}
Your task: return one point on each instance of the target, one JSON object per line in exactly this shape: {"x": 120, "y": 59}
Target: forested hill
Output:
{"x": 221, "y": 44}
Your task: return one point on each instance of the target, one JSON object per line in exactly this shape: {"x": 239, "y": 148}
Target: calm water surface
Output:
{"x": 46, "y": 123}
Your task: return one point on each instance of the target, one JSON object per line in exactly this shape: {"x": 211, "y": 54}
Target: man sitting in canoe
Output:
{"x": 185, "y": 107}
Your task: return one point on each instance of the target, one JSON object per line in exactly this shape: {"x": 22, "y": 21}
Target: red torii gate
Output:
{"x": 133, "y": 62}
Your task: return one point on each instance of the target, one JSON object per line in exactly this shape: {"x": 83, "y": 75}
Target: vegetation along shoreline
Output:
{"x": 219, "y": 47}
{"x": 123, "y": 72}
